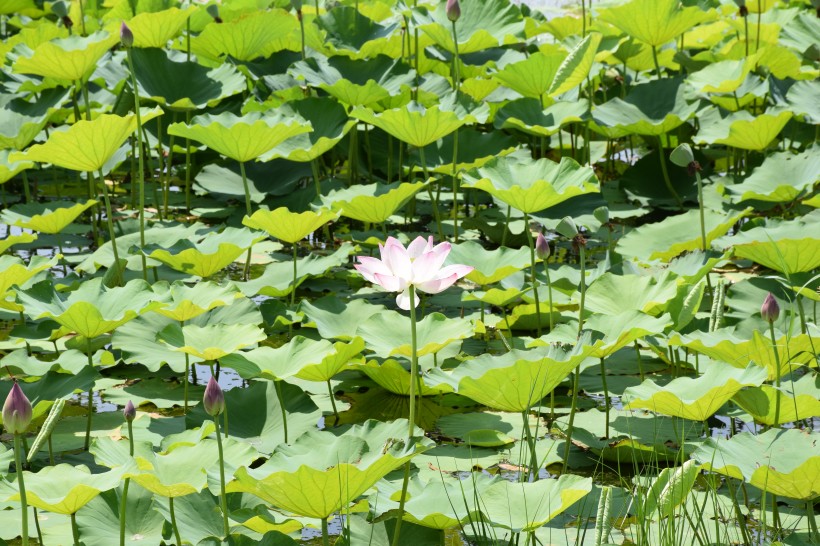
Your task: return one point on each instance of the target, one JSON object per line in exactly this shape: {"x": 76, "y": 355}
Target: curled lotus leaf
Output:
{"x": 50, "y": 217}
{"x": 798, "y": 400}
{"x": 66, "y": 59}
{"x": 183, "y": 302}
{"x": 372, "y": 202}
{"x": 9, "y": 169}
{"x": 394, "y": 376}
{"x": 257, "y": 34}
{"x": 529, "y": 116}
{"x": 289, "y": 227}
{"x": 413, "y": 123}
{"x": 783, "y": 177}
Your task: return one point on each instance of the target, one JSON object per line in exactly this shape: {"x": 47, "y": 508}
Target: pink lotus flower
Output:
{"x": 419, "y": 265}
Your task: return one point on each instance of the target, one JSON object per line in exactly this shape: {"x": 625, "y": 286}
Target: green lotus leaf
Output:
{"x": 92, "y": 310}
{"x": 414, "y": 124}
{"x": 527, "y": 115}
{"x": 486, "y": 24}
{"x": 27, "y": 7}
{"x": 156, "y": 29}
{"x": 654, "y": 22}
{"x": 798, "y": 400}
{"x": 338, "y": 319}
{"x": 532, "y": 186}
{"x": 62, "y": 489}
{"x": 371, "y": 202}
{"x": 301, "y": 357}
{"x": 52, "y": 386}
{"x": 388, "y": 333}
{"x": 21, "y": 239}
{"x": 86, "y": 145}
{"x": 257, "y": 34}
{"x": 9, "y": 169}
{"x": 213, "y": 341}
{"x": 514, "y": 381}
{"x": 741, "y": 129}
{"x": 785, "y": 462}
{"x": 183, "y": 302}
{"x": 99, "y": 520}
{"x": 533, "y": 76}
{"x": 653, "y": 108}
{"x": 50, "y": 217}
{"x": 21, "y": 121}
{"x": 800, "y": 99}
{"x": 575, "y": 68}
{"x": 613, "y": 294}
{"x": 66, "y": 59}
{"x": 677, "y": 234}
{"x": 783, "y": 177}
{"x": 174, "y": 474}
{"x": 494, "y": 296}
{"x": 159, "y": 392}
{"x": 289, "y": 227}
{"x": 169, "y": 80}
{"x": 241, "y": 138}
{"x": 491, "y": 266}
{"x": 348, "y": 33}
{"x": 318, "y": 482}
{"x": 394, "y": 376}
{"x": 721, "y": 77}
{"x": 487, "y": 429}
{"x": 329, "y": 121}
{"x": 15, "y": 272}
{"x": 694, "y": 398}
{"x": 475, "y": 148}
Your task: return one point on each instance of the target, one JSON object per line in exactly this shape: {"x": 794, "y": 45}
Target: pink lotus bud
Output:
{"x": 453, "y": 10}
{"x": 214, "y": 400}
{"x": 542, "y": 247}
{"x": 16, "y": 411}
{"x": 126, "y": 36}
{"x": 130, "y": 412}
{"x": 770, "y": 310}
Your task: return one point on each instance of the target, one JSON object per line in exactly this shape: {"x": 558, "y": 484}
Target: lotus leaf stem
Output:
{"x": 607, "y": 403}
{"x": 700, "y": 206}
{"x": 111, "y": 234}
{"x": 293, "y": 292}
{"x": 26, "y": 189}
{"x": 75, "y": 531}
{"x": 222, "y": 497}
{"x": 325, "y": 533}
{"x": 534, "y": 279}
{"x": 281, "y": 397}
{"x": 433, "y": 200}
{"x": 174, "y": 520}
{"x": 124, "y": 501}
{"x": 534, "y": 466}
{"x": 247, "y": 270}
{"x": 21, "y": 484}
{"x": 581, "y": 250}
{"x": 574, "y": 397}
{"x": 140, "y": 165}
{"x": 90, "y": 399}
{"x": 666, "y": 180}
{"x": 333, "y": 402}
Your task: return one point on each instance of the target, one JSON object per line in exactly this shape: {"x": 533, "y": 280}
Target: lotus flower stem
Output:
{"x": 248, "y": 211}
{"x": 433, "y": 200}
{"x": 280, "y": 396}
{"x": 325, "y": 533}
{"x": 574, "y": 397}
{"x": 188, "y": 162}
{"x": 456, "y": 61}
{"x": 607, "y": 404}
{"x": 140, "y": 166}
{"x": 26, "y": 189}
{"x": 549, "y": 293}
{"x": 640, "y": 361}
{"x": 455, "y": 186}
{"x": 531, "y": 244}
{"x": 127, "y": 483}
{"x": 666, "y": 180}
{"x": 21, "y": 484}
{"x": 293, "y": 293}
{"x": 777, "y": 374}
{"x": 222, "y": 498}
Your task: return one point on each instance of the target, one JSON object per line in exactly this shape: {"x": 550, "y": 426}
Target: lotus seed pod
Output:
{"x": 130, "y": 412}
{"x": 682, "y": 156}
{"x": 126, "y": 36}
{"x": 453, "y": 10}
{"x": 770, "y": 310}
{"x": 542, "y": 247}
{"x": 16, "y": 411}
{"x": 214, "y": 400}
{"x": 213, "y": 11}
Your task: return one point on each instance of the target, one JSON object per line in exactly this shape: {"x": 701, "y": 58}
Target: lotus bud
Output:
{"x": 770, "y": 310}
{"x": 126, "y": 36}
{"x": 214, "y": 400}
{"x": 453, "y": 10}
{"x": 16, "y": 411}
{"x": 542, "y": 247}
{"x": 130, "y": 412}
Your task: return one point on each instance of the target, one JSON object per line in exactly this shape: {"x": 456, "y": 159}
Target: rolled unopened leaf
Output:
{"x": 16, "y": 411}
{"x": 214, "y": 400}
{"x": 770, "y": 310}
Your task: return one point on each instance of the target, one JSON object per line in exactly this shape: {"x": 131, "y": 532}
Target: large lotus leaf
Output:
{"x": 49, "y": 217}
{"x": 92, "y": 310}
{"x": 721, "y": 77}
{"x": 86, "y": 145}
{"x": 62, "y": 489}
{"x": 483, "y": 24}
{"x": 677, "y": 234}
{"x": 783, "y": 177}
{"x": 9, "y": 169}
{"x": 329, "y": 121}
{"x": 66, "y": 59}
{"x": 800, "y": 100}
{"x": 289, "y": 227}
{"x": 168, "y": 79}
{"x": 371, "y": 202}
{"x": 257, "y": 34}
{"x": 514, "y": 381}
{"x": 694, "y": 398}
{"x": 475, "y": 148}
{"x": 414, "y": 124}
{"x": 741, "y": 129}
{"x": 12, "y": 240}
{"x": 99, "y": 521}
{"x": 335, "y": 318}
{"x": 613, "y": 294}
{"x": 388, "y": 333}
{"x": 528, "y": 116}
{"x": 533, "y": 76}
{"x": 654, "y": 22}
{"x": 653, "y": 108}
{"x": 394, "y": 376}
{"x": 532, "y": 186}
{"x": 156, "y": 29}
{"x": 491, "y": 266}
{"x": 798, "y": 400}
{"x": 213, "y": 341}
{"x": 301, "y": 357}
{"x": 241, "y": 138}
{"x": 183, "y": 302}
{"x": 21, "y": 121}
{"x": 575, "y": 68}
{"x": 794, "y": 351}
{"x": 785, "y": 462}
{"x": 348, "y": 33}
{"x": 318, "y": 482}
{"x": 174, "y": 474}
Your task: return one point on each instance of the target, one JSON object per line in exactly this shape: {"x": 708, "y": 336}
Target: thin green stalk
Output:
{"x": 302, "y": 30}
{"x": 700, "y": 206}
{"x": 169, "y": 165}
{"x": 75, "y": 531}
{"x": 433, "y": 200}
{"x": 655, "y": 58}
{"x": 90, "y": 400}
{"x": 281, "y": 397}
{"x": 666, "y": 180}
{"x": 607, "y": 404}
{"x": 531, "y": 244}
{"x": 247, "y": 270}
{"x": 26, "y": 189}
{"x": 140, "y": 166}
{"x": 777, "y": 375}
{"x": 174, "y": 520}
{"x": 293, "y": 293}
{"x": 185, "y": 382}
{"x": 333, "y": 401}
{"x": 455, "y": 185}
{"x": 124, "y": 501}
{"x": 222, "y": 498}
{"x": 759, "y": 13}
{"x": 581, "y": 249}
{"x": 21, "y": 484}
{"x": 534, "y": 467}
{"x": 110, "y": 221}
{"x": 187, "y": 166}
{"x": 456, "y": 60}
{"x": 574, "y": 397}
{"x": 549, "y": 293}
{"x": 161, "y": 176}
{"x": 314, "y": 167}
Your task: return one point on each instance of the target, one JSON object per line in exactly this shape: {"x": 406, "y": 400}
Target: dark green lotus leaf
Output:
{"x": 491, "y": 266}
{"x": 388, "y": 333}
{"x": 50, "y": 217}
{"x": 213, "y": 341}
{"x": 329, "y": 121}
{"x": 413, "y": 124}
{"x": 741, "y": 129}
{"x": 482, "y": 25}
{"x": 198, "y": 517}
{"x": 785, "y": 462}
{"x": 257, "y": 34}
{"x": 336, "y": 318}
{"x": 351, "y": 34}
{"x": 528, "y": 116}
{"x": 488, "y": 429}
{"x": 371, "y": 202}
{"x": 475, "y": 148}
{"x": 66, "y": 59}
{"x": 533, "y": 76}
{"x": 394, "y": 376}
{"x": 783, "y": 177}
{"x": 99, "y": 520}
{"x": 798, "y": 400}
{"x": 156, "y": 391}
{"x": 654, "y": 22}
{"x": 612, "y": 294}
{"x": 226, "y": 180}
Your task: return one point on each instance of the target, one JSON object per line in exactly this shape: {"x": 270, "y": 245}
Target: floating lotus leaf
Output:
{"x": 183, "y": 302}
{"x": 92, "y": 310}
{"x": 414, "y": 124}
{"x": 612, "y": 294}
{"x": 488, "y": 429}
{"x": 694, "y": 398}
{"x": 533, "y": 76}
{"x": 491, "y": 265}
{"x": 741, "y": 129}
{"x": 15, "y": 272}
{"x": 514, "y": 381}
{"x": 338, "y": 319}
{"x": 388, "y": 333}
{"x": 371, "y": 202}
{"x": 785, "y": 462}
{"x": 242, "y": 138}
{"x": 798, "y": 400}
{"x": 257, "y": 34}
{"x": 289, "y": 227}
{"x": 50, "y": 217}
{"x": 318, "y": 482}
{"x": 532, "y": 186}
{"x": 9, "y": 169}
{"x": 528, "y": 116}
{"x": 329, "y": 121}
{"x": 213, "y": 341}
{"x": 66, "y": 59}
{"x": 156, "y": 29}
{"x": 486, "y": 24}
{"x": 783, "y": 177}
{"x": 99, "y": 520}
{"x": 394, "y": 376}
{"x": 654, "y": 22}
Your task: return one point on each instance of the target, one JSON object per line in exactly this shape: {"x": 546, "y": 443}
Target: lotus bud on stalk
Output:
{"x": 743, "y": 11}
{"x": 16, "y": 411}
{"x": 453, "y": 10}
{"x": 130, "y": 412}
{"x": 126, "y": 36}
{"x": 542, "y": 247}
{"x": 214, "y": 400}
{"x": 770, "y": 310}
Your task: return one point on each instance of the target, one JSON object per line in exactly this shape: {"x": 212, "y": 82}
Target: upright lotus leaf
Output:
{"x": 156, "y": 29}
{"x": 183, "y": 302}
{"x": 241, "y": 138}
{"x": 741, "y": 129}
{"x": 475, "y": 148}
{"x": 330, "y": 124}
{"x": 798, "y": 400}
{"x": 21, "y": 120}
{"x": 721, "y": 77}
{"x": 318, "y": 482}
{"x": 613, "y": 294}
{"x": 388, "y": 335}
{"x": 289, "y": 227}
{"x": 66, "y": 59}
{"x": 170, "y": 80}
{"x": 86, "y": 145}
{"x": 491, "y": 266}
{"x": 213, "y": 341}
{"x": 412, "y": 123}
{"x": 485, "y": 24}
{"x": 173, "y": 474}
{"x": 533, "y": 76}
{"x": 514, "y": 381}
{"x": 48, "y": 217}
{"x": 654, "y": 22}
{"x": 394, "y": 376}
{"x": 92, "y": 309}
{"x": 575, "y": 68}
{"x": 785, "y": 462}
{"x": 781, "y": 178}
{"x": 335, "y": 318}
{"x": 532, "y": 186}
{"x": 10, "y": 169}
{"x": 348, "y": 32}
{"x": 15, "y": 272}
{"x": 12, "y": 240}
{"x": 800, "y": 100}
{"x": 257, "y": 34}
{"x": 677, "y": 234}
{"x": 695, "y": 398}
{"x": 374, "y": 203}
{"x": 528, "y": 116}
{"x": 653, "y": 108}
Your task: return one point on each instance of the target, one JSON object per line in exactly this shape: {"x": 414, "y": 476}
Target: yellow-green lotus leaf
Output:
{"x": 212, "y": 341}
{"x": 373, "y": 203}
{"x": 8, "y": 169}
{"x": 257, "y": 34}
{"x": 156, "y": 29}
{"x": 491, "y": 266}
{"x": 50, "y": 217}
{"x": 654, "y": 22}
{"x": 741, "y": 129}
{"x": 66, "y": 59}
{"x": 414, "y": 124}
{"x": 20, "y": 239}
{"x": 388, "y": 334}
{"x": 15, "y": 272}
{"x": 183, "y": 302}
{"x": 798, "y": 400}
{"x": 289, "y": 227}
{"x": 391, "y": 375}
{"x": 533, "y": 76}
